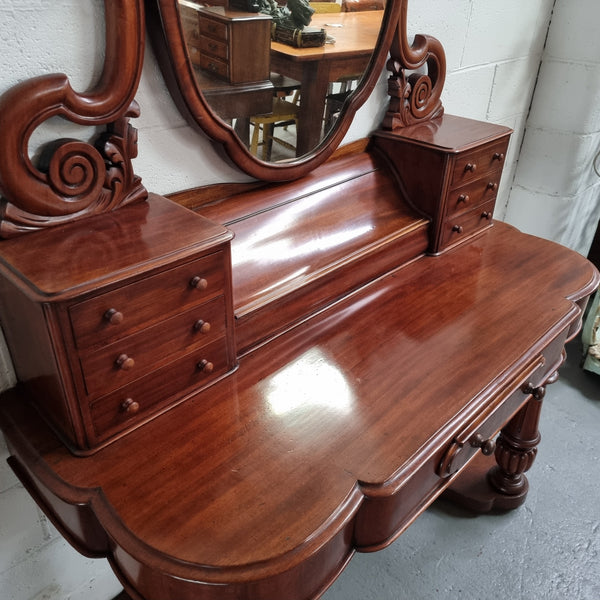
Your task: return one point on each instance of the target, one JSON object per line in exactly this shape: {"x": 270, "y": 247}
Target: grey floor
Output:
{"x": 547, "y": 549}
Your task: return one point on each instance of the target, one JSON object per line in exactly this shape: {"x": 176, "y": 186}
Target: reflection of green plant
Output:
{"x": 295, "y": 14}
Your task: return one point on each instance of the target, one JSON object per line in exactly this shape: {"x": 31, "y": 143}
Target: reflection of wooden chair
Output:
{"x": 284, "y": 113}
{"x": 325, "y": 7}
{"x": 360, "y": 5}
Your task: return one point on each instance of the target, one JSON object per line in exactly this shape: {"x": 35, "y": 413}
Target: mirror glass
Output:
{"x": 278, "y": 73}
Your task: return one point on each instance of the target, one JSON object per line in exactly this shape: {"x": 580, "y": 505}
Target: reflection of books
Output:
{"x": 309, "y": 37}
{"x": 245, "y": 5}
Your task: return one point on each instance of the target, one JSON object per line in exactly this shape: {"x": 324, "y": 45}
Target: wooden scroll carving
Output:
{"x": 73, "y": 178}
{"x": 415, "y": 95}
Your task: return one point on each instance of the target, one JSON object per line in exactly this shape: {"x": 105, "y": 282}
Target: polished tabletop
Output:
{"x": 292, "y": 459}
{"x": 353, "y": 33}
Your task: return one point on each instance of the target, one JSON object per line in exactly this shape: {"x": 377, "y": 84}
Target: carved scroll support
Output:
{"x": 74, "y": 178}
{"x": 417, "y": 79}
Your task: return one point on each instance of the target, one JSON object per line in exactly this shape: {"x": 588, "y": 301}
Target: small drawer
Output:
{"x": 214, "y": 47}
{"x": 215, "y": 66}
{"x": 135, "y": 356}
{"x": 123, "y": 311}
{"x": 468, "y": 196}
{"x": 214, "y": 29}
{"x": 137, "y": 401}
{"x": 462, "y": 226}
{"x": 479, "y": 435}
{"x": 469, "y": 165}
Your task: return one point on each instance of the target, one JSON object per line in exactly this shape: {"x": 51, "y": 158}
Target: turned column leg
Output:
{"x": 516, "y": 449}
{"x": 504, "y": 486}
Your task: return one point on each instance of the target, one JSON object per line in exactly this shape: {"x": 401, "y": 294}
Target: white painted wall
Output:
{"x": 556, "y": 191}
{"x": 494, "y": 51}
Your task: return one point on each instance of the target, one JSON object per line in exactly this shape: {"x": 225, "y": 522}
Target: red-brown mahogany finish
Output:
{"x": 75, "y": 179}
{"x": 372, "y": 377}
{"x": 328, "y": 439}
{"x": 414, "y": 96}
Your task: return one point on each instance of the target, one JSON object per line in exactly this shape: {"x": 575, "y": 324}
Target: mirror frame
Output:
{"x": 164, "y": 27}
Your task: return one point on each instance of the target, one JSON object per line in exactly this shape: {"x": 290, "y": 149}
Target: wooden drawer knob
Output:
{"x": 492, "y": 185}
{"x": 198, "y": 283}
{"x": 129, "y": 406}
{"x": 202, "y": 326}
{"x": 113, "y": 316}
{"x": 205, "y": 366}
{"x": 124, "y": 362}
{"x": 499, "y": 156}
{"x": 457, "y": 228}
{"x": 486, "y": 215}
{"x": 471, "y": 167}
{"x": 464, "y": 198}
{"x": 488, "y": 447}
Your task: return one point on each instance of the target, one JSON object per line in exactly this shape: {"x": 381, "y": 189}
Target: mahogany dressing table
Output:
{"x": 229, "y": 393}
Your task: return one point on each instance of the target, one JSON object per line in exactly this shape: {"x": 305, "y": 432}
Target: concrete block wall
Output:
{"x": 556, "y": 190}
{"x": 493, "y": 51}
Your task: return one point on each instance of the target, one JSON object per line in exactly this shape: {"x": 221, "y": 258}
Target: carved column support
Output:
{"x": 516, "y": 449}
{"x": 417, "y": 79}
{"x": 504, "y": 486}
{"x": 74, "y": 178}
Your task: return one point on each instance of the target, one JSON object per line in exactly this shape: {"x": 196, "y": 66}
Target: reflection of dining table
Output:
{"x": 355, "y": 38}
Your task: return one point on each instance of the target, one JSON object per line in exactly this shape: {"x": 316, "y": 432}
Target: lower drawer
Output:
{"x": 134, "y": 403}
{"x": 456, "y": 229}
{"x": 480, "y": 433}
{"x": 218, "y": 68}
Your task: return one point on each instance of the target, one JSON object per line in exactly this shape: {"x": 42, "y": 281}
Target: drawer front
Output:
{"x": 489, "y": 422}
{"x": 462, "y": 226}
{"x": 215, "y": 66}
{"x": 140, "y": 399}
{"x": 214, "y": 29}
{"x": 470, "y": 165}
{"x": 478, "y": 192}
{"x": 137, "y": 355}
{"x": 214, "y": 47}
{"x": 123, "y": 311}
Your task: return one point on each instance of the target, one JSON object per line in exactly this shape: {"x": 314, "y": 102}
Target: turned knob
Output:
{"x": 205, "y": 366}
{"x": 486, "y": 215}
{"x": 471, "y": 167}
{"x": 538, "y": 392}
{"x": 488, "y": 447}
{"x": 202, "y": 326}
{"x": 125, "y": 362}
{"x": 198, "y": 283}
{"x": 113, "y": 316}
{"x": 457, "y": 228}
{"x": 492, "y": 185}
{"x": 130, "y": 406}
{"x": 499, "y": 156}
{"x": 463, "y": 198}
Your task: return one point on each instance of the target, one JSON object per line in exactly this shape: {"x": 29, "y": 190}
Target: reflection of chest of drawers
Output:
{"x": 465, "y": 159}
{"x": 125, "y": 332}
{"x": 233, "y": 45}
